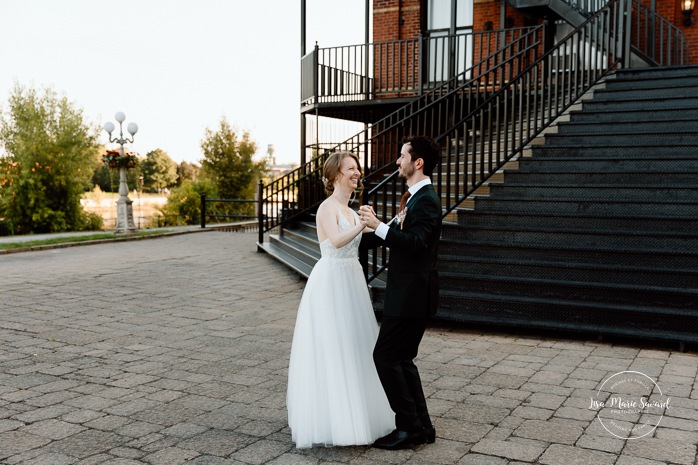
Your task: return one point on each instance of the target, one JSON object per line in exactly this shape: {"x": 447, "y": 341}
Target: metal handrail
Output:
{"x": 505, "y": 107}
{"x": 301, "y": 189}
{"x": 497, "y": 129}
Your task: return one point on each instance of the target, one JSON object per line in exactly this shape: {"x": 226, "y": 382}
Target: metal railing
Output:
{"x": 510, "y": 97}
{"x": 656, "y": 40}
{"x": 206, "y": 213}
{"x": 498, "y": 129}
{"x": 503, "y": 54}
{"x": 396, "y": 68}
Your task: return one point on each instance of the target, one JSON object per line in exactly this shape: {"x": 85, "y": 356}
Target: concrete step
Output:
{"x": 593, "y": 179}
{"x": 556, "y": 190}
{"x": 609, "y": 207}
{"x": 575, "y": 253}
{"x": 581, "y": 272}
{"x": 518, "y": 312}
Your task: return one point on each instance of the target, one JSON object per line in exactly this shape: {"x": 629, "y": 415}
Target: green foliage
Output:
{"x": 159, "y": 171}
{"x": 228, "y": 163}
{"x": 48, "y": 160}
{"x": 184, "y": 202}
{"x": 187, "y": 171}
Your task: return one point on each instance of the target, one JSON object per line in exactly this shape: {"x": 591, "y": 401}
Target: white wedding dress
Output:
{"x": 334, "y": 396}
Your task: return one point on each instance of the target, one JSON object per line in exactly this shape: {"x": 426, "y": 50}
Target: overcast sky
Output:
{"x": 174, "y": 67}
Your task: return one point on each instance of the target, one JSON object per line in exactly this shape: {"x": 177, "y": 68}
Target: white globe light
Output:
{"x": 109, "y": 127}
{"x": 132, "y": 128}
{"x": 120, "y": 117}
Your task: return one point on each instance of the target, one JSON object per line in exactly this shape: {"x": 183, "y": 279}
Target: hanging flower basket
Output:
{"x": 113, "y": 159}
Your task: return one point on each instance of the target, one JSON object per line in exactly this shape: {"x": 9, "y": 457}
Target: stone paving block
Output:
{"x": 477, "y": 459}
{"x": 508, "y": 449}
{"x": 548, "y": 432}
{"x": 127, "y": 453}
{"x": 291, "y": 458}
{"x": 15, "y": 442}
{"x": 687, "y": 437}
{"x": 532, "y": 413}
{"x": 170, "y": 456}
{"x": 629, "y": 460}
{"x": 558, "y": 454}
{"x": 9, "y": 425}
{"x": 500, "y": 380}
{"x": 544, "y": 401}
{"x": 662, "y": 450}
{"x": 44, "y": 413}
{"x": 468, "y": 411}
{"x": 259, "y": 428}
{"x": 217, "y": 442}
{"x": 51, "y": 459}
{"x": 606, "y": 443}
{"x": 462, "y": 431}
{"x": 86, "y": 443}
{"x": 52, "y": 429}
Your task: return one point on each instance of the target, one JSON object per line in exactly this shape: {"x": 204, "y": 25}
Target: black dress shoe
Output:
{"x": 430, "y": 434}
{"x": 400, "y": 440}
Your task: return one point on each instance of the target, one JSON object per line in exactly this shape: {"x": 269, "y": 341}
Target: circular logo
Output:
{"x": 630, "y": 405}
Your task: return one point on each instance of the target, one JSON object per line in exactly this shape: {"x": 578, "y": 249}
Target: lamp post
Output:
{"x": 124, "y": 207}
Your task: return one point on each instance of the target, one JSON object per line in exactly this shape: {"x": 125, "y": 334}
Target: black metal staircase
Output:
{"x": 597, "y": 231}
{"x": 544, "y": 250}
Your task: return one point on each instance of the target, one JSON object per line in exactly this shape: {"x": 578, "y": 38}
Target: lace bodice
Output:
{"x": 350, "y": 250}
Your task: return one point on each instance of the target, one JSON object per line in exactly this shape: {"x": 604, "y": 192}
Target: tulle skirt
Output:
{"x": 334, "y": 396}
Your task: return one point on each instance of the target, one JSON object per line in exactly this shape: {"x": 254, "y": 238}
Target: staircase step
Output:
{"x": 654, "y": 82}
{"x": 653, "y": 128}
{"x": 451, "y": 265}
{"x": 577, "y": 317}
{"x": 633, "y": 74}
{"x": 607, "y": 164}
{"x": 651, "y": 93}
{"x": 289, "y": 259}
{"x": 641, "y": 104}
{"x": 576, "y": 221}
{"x": 664, "y": 259}
{"x": 623, "y": 139}
{"x": 555, "y": 190}
{"x": 593, "y": 179}
{"x": 633, "y": 240}
{"x": 641, "y": 296}
{"x": 609, "y": 207}
{"x": 610, "y": 116}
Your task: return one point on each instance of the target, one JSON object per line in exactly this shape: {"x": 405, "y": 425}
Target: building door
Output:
{"x": 449, "y": 43}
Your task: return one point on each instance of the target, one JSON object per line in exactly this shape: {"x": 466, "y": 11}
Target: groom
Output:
{"x": 411, "y": 293}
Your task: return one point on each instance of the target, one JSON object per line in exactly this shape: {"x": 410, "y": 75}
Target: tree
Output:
{"x": 184, "y": 202}
{"x": 228, "y": 162}
{"x": 48, "y": 160}
{"x": 159, "y": 171}
{"x": 187, "y": 172}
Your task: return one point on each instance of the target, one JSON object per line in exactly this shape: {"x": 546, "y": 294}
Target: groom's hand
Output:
{"x": 368, "y": 217}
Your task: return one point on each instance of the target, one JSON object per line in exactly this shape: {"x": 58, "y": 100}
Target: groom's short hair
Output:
{"x": 426, "y": 149}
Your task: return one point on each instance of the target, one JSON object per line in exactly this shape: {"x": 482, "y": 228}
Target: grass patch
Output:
{"x": 66, "y": 240}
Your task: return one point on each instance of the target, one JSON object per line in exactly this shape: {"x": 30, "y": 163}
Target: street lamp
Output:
{"x": 124, "y": 208}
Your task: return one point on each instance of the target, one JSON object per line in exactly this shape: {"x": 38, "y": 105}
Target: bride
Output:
{"x": 334, "y": 396}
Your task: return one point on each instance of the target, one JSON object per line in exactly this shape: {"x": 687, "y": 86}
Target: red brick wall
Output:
{"x": 671, "y": 11}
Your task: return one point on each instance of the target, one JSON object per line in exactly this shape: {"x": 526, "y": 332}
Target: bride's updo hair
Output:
{"x": 331, "y": 169}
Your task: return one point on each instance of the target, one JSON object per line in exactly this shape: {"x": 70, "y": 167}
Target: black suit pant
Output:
{"x": 396, "y": 347}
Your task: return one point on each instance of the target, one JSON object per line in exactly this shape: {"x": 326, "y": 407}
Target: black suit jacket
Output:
{"x": 412, "y": 289}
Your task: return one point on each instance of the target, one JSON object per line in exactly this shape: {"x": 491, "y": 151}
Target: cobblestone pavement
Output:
{"x": 175, "y": 350}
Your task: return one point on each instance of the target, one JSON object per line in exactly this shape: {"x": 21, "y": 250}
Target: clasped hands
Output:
{"x": 368, "y": 217}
